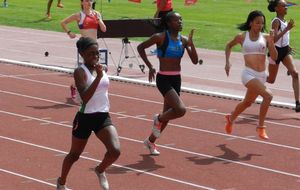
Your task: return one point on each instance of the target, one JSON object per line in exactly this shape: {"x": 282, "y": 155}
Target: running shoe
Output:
{"x": 73, "y": 92}
{"x": 156, "y": 126}
{"x": 5, "y": 4}
{"x": 151, "y": 147}
{"x": 102, "y": 180}
{"x": 261, "y": 131}
{"x": 228, "y": 126}
{"x": 297, "y": 107}
{"x": 60, "y": 187}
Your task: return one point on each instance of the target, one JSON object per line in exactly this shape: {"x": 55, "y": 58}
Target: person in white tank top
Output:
{"x": 93, "y": 116}
{"x": 282, "y": 41}
{"x": 254, "y": 44}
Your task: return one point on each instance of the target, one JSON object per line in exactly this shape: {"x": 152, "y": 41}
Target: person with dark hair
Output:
{"x": 88, "y": 21}
{"x": 170, "y": 49}
{"x": 282, "y": 29}
{"x": 49, "y": 4}
{"x": 92, "y": 83}
{"x": 254, "y": 45}
{"x": 163, "y": 7}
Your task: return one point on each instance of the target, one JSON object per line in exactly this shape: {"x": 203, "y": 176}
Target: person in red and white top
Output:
{"x": 88, "y": 21}
{"x": 163, "y": 7}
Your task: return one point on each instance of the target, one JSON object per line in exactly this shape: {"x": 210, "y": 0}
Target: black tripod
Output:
{"x": 124, "y": 51}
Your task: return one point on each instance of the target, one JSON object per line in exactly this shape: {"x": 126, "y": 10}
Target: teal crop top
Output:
{"x": 171, "y": 48}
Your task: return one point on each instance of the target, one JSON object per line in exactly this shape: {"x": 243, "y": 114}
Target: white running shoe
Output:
{"x": 156, "y": 126}
{"x": 60, "y": 187}
{"x": 151, "y": 147}
{"x": 102, "y": 180}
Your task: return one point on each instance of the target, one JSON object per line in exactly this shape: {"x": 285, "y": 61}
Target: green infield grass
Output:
{"x": 214, "y": 20}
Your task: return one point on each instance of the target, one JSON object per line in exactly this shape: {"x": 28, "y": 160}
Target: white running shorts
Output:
{"x": 249, "y": 74}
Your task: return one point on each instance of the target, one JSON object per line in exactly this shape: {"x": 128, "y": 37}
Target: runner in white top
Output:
{"x": 92, "y": 84}
{"x": 282, "y": 38}
{"x": 254, "y": 44}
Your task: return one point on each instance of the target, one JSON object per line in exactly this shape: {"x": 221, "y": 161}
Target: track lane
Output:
{"x": 135, "y": 124}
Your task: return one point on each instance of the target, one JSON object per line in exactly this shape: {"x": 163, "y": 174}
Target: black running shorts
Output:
{"x": 282, "y": 53}
{"x": 85, "y": 123}
{"x": 166, "y": 83}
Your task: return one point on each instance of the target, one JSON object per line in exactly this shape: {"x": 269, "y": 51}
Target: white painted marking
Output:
{"x": 117, "y": 165}
{"x": 27, "y": 177}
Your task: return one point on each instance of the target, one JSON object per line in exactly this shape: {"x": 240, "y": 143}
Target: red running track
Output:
{"x": 35, "y": 132}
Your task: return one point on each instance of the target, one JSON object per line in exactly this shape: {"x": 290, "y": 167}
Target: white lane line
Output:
{"x": 144, "y": 119}
{"x": 27, "y": 177}
{"x": 148, "y": 101}
{"x": 46, "y": 118}
{"x": 32, "y": 80}
{"x": 203, "y": 110}
{"x": 46, "y": 123}
{"x": 140, "y": 116}
{"x": 222, "y": 159}
{"x": 26, "y": 75}
{"x": 127, "y": 97}
{"x": 186, "y": 151}
{"x": 63, "y": 122}
{"x": 116, "y": 165}
{"x": 26, "y": 119}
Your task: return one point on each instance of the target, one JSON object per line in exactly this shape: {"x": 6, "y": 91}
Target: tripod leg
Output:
{"x": 141, "y": 66}
{"x": 119, "y": 68}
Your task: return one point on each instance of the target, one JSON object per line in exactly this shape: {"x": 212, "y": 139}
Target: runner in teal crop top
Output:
{"x": 170, "y": 47}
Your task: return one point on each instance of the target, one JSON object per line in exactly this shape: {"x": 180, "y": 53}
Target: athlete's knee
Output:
{"x": 268, "y": 97}
{"x": 114, "y": 153}
{"x": 73, "y": 157}
{"x": 246, "y": 103}
{"x": 180, "y": 111}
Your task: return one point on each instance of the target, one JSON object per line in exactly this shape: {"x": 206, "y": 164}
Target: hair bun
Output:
{"x": 84, "y": 42}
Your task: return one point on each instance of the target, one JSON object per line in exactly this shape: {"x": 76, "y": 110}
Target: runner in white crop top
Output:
{"x": 254, "y": 44}
{"x": 254, "y": 47}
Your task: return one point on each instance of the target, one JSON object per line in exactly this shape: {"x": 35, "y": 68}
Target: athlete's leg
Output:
{"x": 77, "y": 148}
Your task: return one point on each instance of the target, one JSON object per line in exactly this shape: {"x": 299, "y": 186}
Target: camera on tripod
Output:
{"x": 125, "y": 28}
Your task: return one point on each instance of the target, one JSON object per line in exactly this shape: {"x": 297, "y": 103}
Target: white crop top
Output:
{"x": 285, "y": 39}
{"x": 99, "y": 102}
{"x": 254, "y": 47}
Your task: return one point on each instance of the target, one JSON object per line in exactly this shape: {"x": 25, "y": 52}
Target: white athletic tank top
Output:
{"x": 285, "y": 39}
{"x": 99, "y": 102}
{"x": 254, "y": 47}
